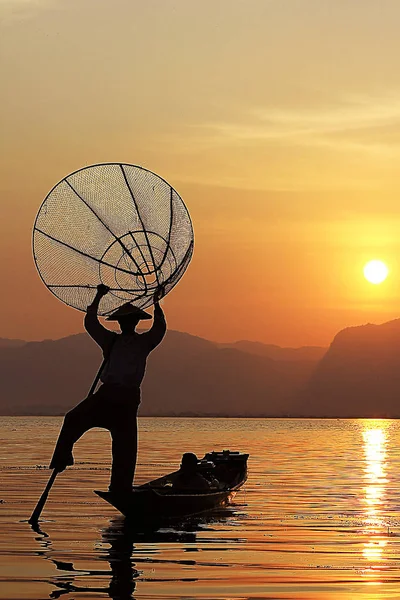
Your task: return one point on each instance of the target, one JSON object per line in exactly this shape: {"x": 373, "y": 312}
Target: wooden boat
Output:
{"x": 158, "y": 501}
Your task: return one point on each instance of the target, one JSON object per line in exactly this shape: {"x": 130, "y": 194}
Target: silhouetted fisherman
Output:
{"x": 188, "y": 476}
{"x": 114, "y": 406}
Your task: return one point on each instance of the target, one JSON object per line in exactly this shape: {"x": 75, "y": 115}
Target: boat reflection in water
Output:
{"x": 375, "y": 525}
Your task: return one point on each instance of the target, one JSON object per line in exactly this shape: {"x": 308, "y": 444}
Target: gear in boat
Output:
{"x": 199, "y": 486}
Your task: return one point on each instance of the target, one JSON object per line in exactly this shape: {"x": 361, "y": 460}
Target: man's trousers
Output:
{"x": 112, "y": 407}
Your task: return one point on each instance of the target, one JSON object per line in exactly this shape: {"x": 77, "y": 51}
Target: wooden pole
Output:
{"x": 42, "y": 500}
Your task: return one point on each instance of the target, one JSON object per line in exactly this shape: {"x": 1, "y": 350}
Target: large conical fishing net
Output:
{"x": 115, "y": 224}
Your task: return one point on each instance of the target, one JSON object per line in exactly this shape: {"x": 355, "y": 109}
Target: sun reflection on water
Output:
{"x": 375, "y": 443}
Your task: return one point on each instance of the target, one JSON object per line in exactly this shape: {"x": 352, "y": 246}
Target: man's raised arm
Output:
{"x": 159, "y": 327}
{"x": 102, "y": 336}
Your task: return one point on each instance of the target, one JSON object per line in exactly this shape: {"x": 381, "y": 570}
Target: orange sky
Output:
{"x": 278, "y": 122}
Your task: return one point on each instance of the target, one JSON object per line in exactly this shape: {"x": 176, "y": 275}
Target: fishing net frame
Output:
{"x": 113, "y": 223}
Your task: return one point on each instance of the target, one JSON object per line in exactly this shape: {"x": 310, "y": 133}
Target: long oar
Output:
{"x": 42, "y": 500}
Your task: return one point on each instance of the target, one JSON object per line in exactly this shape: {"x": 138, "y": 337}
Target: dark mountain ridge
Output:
{"x": 13, "y": 343}
{"x": 278, "y": 352}
{"x": 358, "y": 376}
{"x": 185, "y": 375}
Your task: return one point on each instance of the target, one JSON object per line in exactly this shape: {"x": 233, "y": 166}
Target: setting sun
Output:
{"x": 375, "y": 271}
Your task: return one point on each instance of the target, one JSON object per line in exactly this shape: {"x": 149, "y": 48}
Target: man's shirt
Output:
{"x": 126, "y": 364}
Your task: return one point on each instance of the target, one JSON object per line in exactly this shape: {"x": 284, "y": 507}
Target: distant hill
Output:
{"x": 45, "y": 377}
{"x": 186, "y": 375}
{"x": 6, "y": 343}
{"x": 358, "y": 376}
{"x": 313, "y": 353}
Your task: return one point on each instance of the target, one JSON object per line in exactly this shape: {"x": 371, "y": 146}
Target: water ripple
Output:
{"x": 318, "y": 517}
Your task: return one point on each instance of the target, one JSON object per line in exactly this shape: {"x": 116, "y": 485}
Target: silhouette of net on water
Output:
{"x": 116, "y": 224}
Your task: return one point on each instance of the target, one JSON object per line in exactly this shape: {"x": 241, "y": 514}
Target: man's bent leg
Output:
{"x": 124, "y": 452}
{"x": 76, "y": 422}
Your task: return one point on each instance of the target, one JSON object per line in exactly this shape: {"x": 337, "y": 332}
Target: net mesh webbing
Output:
{"x": 116, "y": 224}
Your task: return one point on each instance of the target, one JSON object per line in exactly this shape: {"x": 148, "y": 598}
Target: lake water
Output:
{"x": 318, "y": 518}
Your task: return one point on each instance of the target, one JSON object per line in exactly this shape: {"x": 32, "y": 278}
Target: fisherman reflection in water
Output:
{"x": 114, "y": 406}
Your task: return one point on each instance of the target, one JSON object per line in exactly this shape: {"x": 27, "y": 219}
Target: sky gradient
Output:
{"x": 278, "y": 122}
